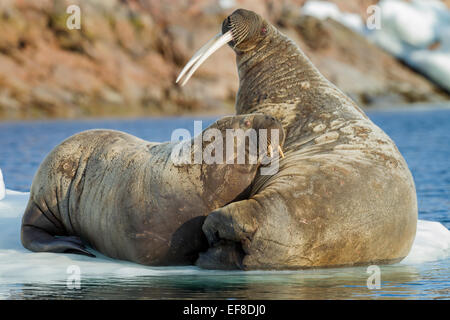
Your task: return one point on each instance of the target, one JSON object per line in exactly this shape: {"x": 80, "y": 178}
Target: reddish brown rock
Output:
{"x": 125, "y": 58}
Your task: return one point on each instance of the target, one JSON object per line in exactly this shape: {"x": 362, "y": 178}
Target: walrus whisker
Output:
{"x": 270, "y": 150}
{"x": 206, "y": 52}
{"x": 239, "y": 33}
{"x": 281, "y": 151}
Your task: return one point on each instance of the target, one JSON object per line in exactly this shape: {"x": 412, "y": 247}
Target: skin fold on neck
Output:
{"x": 276, "y": 76}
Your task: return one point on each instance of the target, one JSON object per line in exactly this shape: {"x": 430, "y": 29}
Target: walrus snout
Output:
{"x": 238, "y": 24}
{"x": 272, "y": 125}
{"x": 275, "y": 133}
{"x": 243, "y": 24}
{"x": 269, "y": 127}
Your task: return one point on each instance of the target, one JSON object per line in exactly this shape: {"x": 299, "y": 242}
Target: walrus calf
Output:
{"x": 343, "y": 194}
{"x": 128, "y": 199}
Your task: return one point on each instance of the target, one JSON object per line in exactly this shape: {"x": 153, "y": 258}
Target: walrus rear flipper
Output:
{"x": 37, "y": 234}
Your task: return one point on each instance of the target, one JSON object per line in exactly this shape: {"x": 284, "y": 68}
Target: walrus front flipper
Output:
{"x": 39, "y": 240}
{"x": 229, "y": 231}
{"x": 226, "y": 255}
{"x": 39, "y": 234}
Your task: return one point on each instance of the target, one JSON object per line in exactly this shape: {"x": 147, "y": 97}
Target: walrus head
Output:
{"x": 234, "y": 149}
{"x": 243, "y": 30}
{"x": 275, "y": 76}
{"x": 259, "y": 123}
{"x": 247, "y": 29}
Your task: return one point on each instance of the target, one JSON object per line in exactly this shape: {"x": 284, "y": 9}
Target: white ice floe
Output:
{"x": 432, "y": 243}
{"x": 18, "y": 265}
{"x": 407, "y": 30}
{"x": 2, "y": 186}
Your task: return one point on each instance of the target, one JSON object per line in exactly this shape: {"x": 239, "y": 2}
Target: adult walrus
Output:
{"x": 343, "y": 194}
{"x": 135, "y": 200}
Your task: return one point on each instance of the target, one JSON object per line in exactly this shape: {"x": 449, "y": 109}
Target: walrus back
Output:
{"x": 56, "y": 206}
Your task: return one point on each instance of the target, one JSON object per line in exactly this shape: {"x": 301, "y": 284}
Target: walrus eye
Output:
{"x": 263, "y": 30}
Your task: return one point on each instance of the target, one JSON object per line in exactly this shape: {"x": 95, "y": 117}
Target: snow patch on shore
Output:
{"x": 323, "y": 10}
{"x": 416, "y": 32}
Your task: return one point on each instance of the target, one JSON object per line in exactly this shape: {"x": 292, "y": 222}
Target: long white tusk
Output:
{"x": 197, "y": 56}
{"x": 202, "y": 54}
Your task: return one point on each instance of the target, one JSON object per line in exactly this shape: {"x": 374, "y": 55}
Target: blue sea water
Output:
{"x": 422, "y": 136}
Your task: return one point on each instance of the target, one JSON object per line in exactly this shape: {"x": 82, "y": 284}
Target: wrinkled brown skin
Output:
{"x": 343, "y": 195}
{"x": 126, "y": 198}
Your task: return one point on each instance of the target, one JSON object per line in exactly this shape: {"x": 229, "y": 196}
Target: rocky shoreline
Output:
{"x": 124, "y": 60}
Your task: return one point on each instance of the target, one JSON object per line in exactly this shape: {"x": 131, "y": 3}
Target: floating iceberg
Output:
{"x": 18, "y": 265}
